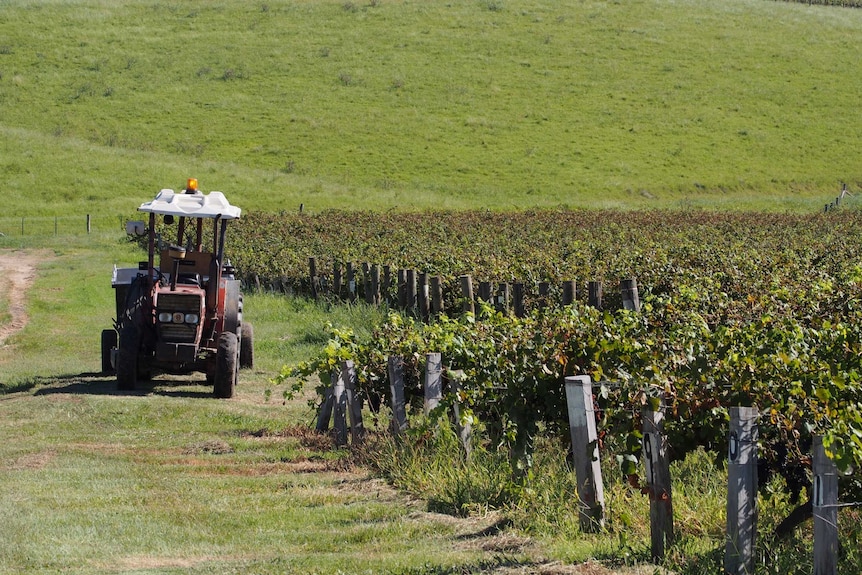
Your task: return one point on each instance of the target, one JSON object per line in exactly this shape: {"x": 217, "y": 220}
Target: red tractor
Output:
{"x": 181, "y": 310}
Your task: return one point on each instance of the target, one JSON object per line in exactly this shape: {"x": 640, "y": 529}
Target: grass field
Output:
{"x": 409, "y": 105}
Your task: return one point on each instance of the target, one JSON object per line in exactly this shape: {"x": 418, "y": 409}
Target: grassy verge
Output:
{"x": 545, "y": 507}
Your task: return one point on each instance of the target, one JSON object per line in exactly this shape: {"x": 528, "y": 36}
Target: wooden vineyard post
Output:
{"x": 518, "y": 299}
{"x": 658, "y": 481}
{"x": 312, "y": 276}
{"x": 433, "y": 381}
{"x": 336, "y": 279}
{"x": 594, "y": 294}
{"x": 354, "y": 402}
{"x": 436, "y": 294}
{"x": 569, "y": 292}
{"x": 485, "y": 292}
{"x": 402, "y": 289}
{"x": 465, "y": 429}
{"x": 424, "y": 301}
{"x": 467, "y": 293}
{"x": 325, "y": 413}
{"x": 629, "y": 291}
{"x": 411, "y": 291}
{"x": 585, "y": 450}
{"x": 341, "y": 402}
{"x": 339, "y": 393}
{"x": 395, "y": 367}
{"x": 387, "y": 283}
{"x": 375, "y": 284}
{"x": 502, "y": 304}
{"x": 366, "y": 283}
{"x": 351, "y": 282}
{"x": 741, "y": 491}
{"x": 824, "y": 499}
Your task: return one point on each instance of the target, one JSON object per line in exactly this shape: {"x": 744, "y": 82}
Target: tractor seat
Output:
{"x": 193, "y": 279}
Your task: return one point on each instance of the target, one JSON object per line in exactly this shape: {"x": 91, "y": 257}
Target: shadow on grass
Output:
{"x": 106, "y": 384}
{"x": 679, "y": 559}
{"x": 488, "y": 566}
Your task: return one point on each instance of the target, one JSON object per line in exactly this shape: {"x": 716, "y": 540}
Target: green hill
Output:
{"x": 385, "y": 104}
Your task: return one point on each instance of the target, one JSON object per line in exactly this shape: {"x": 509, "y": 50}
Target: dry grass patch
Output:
{"x": 31, "y": 461}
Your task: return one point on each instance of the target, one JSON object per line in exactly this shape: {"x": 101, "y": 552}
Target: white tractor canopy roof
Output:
{"x": 196, "y": 205}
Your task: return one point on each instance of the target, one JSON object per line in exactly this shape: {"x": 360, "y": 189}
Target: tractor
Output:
{"x": 181, "y": 310}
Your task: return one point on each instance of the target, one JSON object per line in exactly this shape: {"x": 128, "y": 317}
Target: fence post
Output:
{"x": 354, "y": 403}
{"x": 375, "y": 283}
{"x": 433, "y": 381}
{"x": 825, "y": 510}
{"x": 658, "y": 480}
{"x": 336, "y": 279}
{"x": 312, "y": 275}
{"x": 366, "y": 283}
{"x": 339, "y": 393}
{"x": 467, "y": 293}
{"x": 585, "y": 450}
{"x": 503, "y": 299}
{"x": 411, "y": 292}
{"x": 594, "y": 294}
{"x": 88, "y": 223}
{"x": 402, "y": 289}
{"x": 436, "y": 294}
{"x": 518, "y": 299}
{"x": 351, "y": 282}
{"x": 395, "y": 367}
{"x": 629, "y": 291}
{"x": 569, "y": 292}
{"x": 741, "y": 491}
{"x": 485, "y": 292}
{"x": 465, "y": 430}
{"x": 424, "y": 302}
{"x": 387, "y": 283}
{"x": 325, "y": 413}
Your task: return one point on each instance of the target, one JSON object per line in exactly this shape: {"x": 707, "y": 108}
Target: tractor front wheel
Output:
{"x": 227, "y": 363}
{"x": 127, "y": 358}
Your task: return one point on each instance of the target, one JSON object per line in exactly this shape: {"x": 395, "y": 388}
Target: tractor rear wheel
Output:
{"x": 246, "y": 346}
{"x": 109, "y": 342}
{"x": 127, "y": 358}
{"x": 227, "y": 364}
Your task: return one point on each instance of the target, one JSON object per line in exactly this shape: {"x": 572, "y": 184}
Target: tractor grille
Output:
{"x": 175, "y": 302}
{"x": 177, "y": 332}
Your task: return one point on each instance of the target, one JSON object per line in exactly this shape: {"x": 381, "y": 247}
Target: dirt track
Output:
{"x": 17, "y": 272}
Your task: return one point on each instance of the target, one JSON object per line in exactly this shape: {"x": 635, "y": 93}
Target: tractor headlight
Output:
{"x": 179, "y": 317}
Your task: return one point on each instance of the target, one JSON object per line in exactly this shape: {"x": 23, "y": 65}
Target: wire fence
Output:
{"x": 60, "y": 225}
